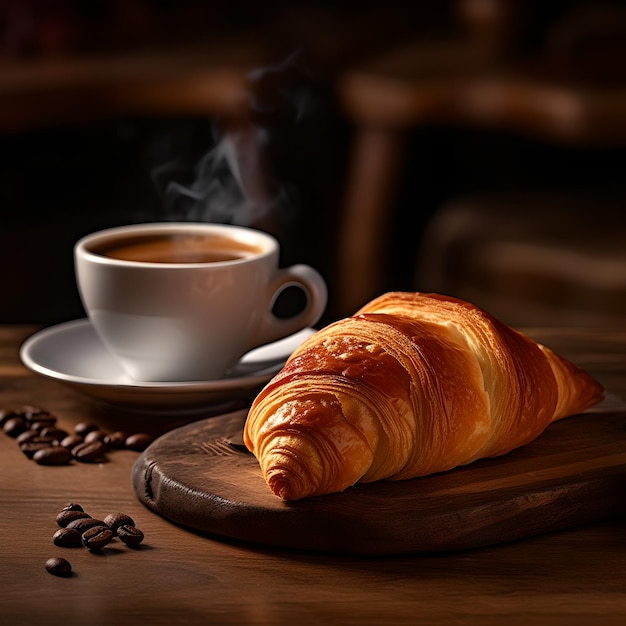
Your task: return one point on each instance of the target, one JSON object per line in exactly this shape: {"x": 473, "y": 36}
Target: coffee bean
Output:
{"x": 72, "y": 506}
{"x": 34, "y": 425}
{"x": 89, "y": 451}
{"x": 138, "y": 442}
{"x": 71, "y": 441}
{"x": 58, "y": 566}
{"x": 95, "y": 435}
{"x": 69, "y": 515}
{"x": 84, "y": 523}
{"x": 45, "y": 439}
{"x": 6, "y": 414}
{"x": 30, "y": 448}
{"x": 26, "y": 436}
{"x": 15, "y": 426}
{"x": 51, "y": 441}
{"x": 53, "y": 431}
{"x": 67, "y": 538}
{"x": 130, "y": 535}
{"x": 33, "y": 413}
{"x": 52, "y": 455}
{"x": 97, "y": 537}
{"x": 116, "y": 439}
{"x": 115, "y": 520}
{"x": 43, "y": 421}
{"x": 82, "y": 428}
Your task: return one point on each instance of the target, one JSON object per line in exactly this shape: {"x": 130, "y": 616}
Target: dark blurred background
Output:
{"x": 472, "y": 147}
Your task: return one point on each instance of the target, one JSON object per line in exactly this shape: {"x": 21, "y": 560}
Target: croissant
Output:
{"x": 412, "y": 384}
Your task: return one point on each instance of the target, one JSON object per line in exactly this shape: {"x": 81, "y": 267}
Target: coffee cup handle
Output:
{"x": 311, "y": 282}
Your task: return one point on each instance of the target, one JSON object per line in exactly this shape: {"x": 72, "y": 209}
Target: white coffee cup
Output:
{"x": 185, "y": 301}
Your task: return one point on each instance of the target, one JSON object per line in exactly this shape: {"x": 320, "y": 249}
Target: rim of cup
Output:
{"x": 247, "y": 235}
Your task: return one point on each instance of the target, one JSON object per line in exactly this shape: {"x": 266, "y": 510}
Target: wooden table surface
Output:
{"x": 181, "y": 577}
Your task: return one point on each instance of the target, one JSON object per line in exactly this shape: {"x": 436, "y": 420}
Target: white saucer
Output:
{"x": 72, "y": 353}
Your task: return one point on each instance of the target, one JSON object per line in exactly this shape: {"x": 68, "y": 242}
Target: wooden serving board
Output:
{"x": 200, "y": 476}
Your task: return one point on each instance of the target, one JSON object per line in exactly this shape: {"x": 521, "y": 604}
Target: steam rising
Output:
{"x": 272, "y": 83}
{"x": 227, "y": 185}
{"x": 232, "y": 182}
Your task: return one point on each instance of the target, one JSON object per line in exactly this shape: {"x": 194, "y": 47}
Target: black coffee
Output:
{"x": 178, "y": 248}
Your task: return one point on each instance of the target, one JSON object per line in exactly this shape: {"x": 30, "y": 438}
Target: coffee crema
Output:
{"x": 178, "y": 248}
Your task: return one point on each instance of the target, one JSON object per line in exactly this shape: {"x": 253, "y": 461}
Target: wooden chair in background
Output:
{"x": 209, "y": 80}
{"x": 458, "y": 82}
{"x": 533, "y": 259}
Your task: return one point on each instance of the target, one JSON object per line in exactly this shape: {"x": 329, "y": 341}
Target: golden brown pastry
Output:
{"x": 412, "y": 384}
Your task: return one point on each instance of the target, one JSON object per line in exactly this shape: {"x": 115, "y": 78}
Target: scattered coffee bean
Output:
{"x": 52, "y": 455}
{"x": 138, "y": 442}
{"x": 91, "y": 533}
{"x": 95, "y": 435}
{"x": 43, "y": 422}
{"x": 58, "y": 566}
{"x": 71, "y": 441}
{"x": 40, "y": 438}
{"x": 130, "y": 535}
{"x": 82, "y": 428}
{"x": 54, "y": 432}
{"x": 26, "y": 436}
{"x": 31, "y": 447}
{"x": 97, "y": 537}
{"x": 34, "y": 413}
{"x": 15, "y": 426}
{"x": 51, "y": 441}
{"x": 55, "y": 446}
{"x": 5, "y": 415}
{"x": 115, "y": 520}
{"x": 70, "y": 515}
{"x": 89, "y": 451}
{"x": 72, "y": 506}
{"x": 67, "y": 538}
{"x": 116, "y": 439}
{"x": 84, "y": 523}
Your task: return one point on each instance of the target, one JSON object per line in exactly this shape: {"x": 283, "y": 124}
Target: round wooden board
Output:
{"x": 202, "y": 477}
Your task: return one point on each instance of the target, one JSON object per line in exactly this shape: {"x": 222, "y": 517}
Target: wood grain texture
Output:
{"x": 202, "y": 477}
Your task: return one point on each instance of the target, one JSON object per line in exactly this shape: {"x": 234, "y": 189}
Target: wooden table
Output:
{"x": 182, "y": 577}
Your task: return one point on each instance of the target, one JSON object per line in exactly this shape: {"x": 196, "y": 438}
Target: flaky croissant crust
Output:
{"x": 411, "y": 385}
